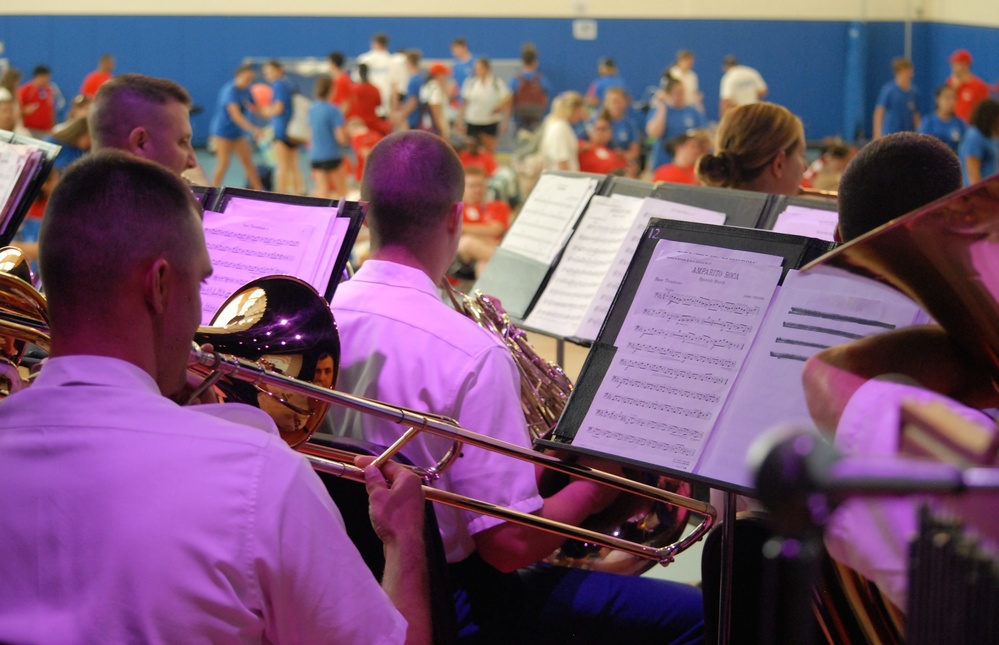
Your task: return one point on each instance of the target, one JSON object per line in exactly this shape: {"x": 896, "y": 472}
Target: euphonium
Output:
{"x": 544, "y": 391}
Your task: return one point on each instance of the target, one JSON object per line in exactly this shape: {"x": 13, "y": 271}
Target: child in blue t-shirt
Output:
{"x": 942, "y": 124}
{"x": 896, "y": 109}
{"x": 979, "y": 149}
{"x": 329, "y": 174}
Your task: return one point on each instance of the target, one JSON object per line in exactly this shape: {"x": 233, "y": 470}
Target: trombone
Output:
{"x": 283, "y": 321}
{"x": 332, "y": 461}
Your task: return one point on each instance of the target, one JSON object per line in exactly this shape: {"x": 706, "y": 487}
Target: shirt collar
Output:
{"x": 94, "y": 370}
{"x": 396, "y": 275}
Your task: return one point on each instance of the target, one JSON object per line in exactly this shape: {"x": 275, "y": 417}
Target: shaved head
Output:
{"x": 411, "y": 181}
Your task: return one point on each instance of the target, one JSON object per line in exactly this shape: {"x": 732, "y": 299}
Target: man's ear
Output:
{"x": 454, "y": 218}
{"x": 157, "y": 285}
{"x": 137, "y": 139}
{"x": 837, "y": 234}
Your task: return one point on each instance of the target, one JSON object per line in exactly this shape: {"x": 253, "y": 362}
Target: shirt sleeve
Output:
{"x": 883, "y": 96}
{"x": 871, "y": 535}
{"x": 315, "y": 587}
{"x": 489, "y": 403}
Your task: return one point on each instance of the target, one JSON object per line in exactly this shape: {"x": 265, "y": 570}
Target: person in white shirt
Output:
{"x": 485, "y": 105}
{"x": 138, "y": 520}
{"x": 380, "y": 66}
{"x": 401, "y": 344}
{"x": 559, "y": 146}
{"x": 683, "y": 71}
{"x": 740, "y": 85}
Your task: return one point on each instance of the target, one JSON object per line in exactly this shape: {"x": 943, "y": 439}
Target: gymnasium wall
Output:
{"x": 826, "y": 64}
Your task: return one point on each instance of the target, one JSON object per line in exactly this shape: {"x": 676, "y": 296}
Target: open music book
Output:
{"x": 575, "y": 300}
{"x": 255, "y": 237}
{"x": 704, "y": 345}
{"x": 534, "y": 241}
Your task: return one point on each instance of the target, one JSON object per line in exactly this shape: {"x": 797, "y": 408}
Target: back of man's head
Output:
{"x": 411, "y": 180}
{"x": 111, "y": 214}
{"x": 126, "y": 102}
{"x": 892, "y": 176}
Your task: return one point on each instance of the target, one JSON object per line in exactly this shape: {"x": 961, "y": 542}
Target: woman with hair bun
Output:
{"x": 759, "y": 147}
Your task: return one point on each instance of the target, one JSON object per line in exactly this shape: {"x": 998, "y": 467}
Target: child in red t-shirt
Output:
{"x": 473, "y": 154}
{"x": 686, "y": 149}
{"x": 483, "y": 223}
{"x": 597, "y": 157}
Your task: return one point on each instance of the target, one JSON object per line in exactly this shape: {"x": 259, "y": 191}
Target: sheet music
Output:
{"x": 13, "y": 160}
{"x": 681, "y": 346}
{"x": 545, "y": 222}
{"x": 585, "y": 263}
{"x": 811, "y": 311}
{"x": 320, "y": 217}
{"x": 809, "y": 222}
{"x": 651, "y": 208}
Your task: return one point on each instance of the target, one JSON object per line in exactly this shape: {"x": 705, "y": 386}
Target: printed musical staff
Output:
{"x": 678, "y": 351}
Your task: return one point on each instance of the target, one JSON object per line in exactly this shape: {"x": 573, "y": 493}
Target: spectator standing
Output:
{"x": 896, "y": 109}
{"x": 230, "y": 125}
{"x": 464, "y": 64}
{"x": 670, "y": 117}
{"x": 683, "y": 71}
{"x": 943, "y": 123}
{"x": 288, "y": 178}
{"x": 607, "y": 77}
{"x": 378, "y": 61}
{"x": 365, "y": 101}
{"x": 329, "y": 174}
{"x": 342, "y": 85}
{"x": 979, "y": 149}
{"x": 740, "y": 85}
{"x": 93, "y": 81}
{"x": 38, "y": 102}
{"x": 434, "y": 101}
{"x": 408, "y": 116}
{"x": 531, "y": 91}
{"x": 970, "y": 89}
{"x": 485, "y": 105}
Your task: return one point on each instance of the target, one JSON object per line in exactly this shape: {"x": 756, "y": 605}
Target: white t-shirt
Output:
{"x": 691, "y": 85}
{"x": 379, "y": 62}
{"x": 482, "y": 98}
{"x": 559, "y": 144}
{"x": 402, "y": 345}
{"x": 128, "y": 518}
{"x": 742, "y": 85}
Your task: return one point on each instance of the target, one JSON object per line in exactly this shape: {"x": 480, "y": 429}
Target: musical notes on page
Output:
{"x": 545, "y": 222}
{"x": 587, "y": 258}
{"x": 651, "y": 208}
{"x": 686, "y": 335}
{"x": 244, "y": 249}
{"x": 810, "y": 312}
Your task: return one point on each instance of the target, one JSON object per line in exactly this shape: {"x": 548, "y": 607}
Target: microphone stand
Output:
{"x": 801, "y": 479}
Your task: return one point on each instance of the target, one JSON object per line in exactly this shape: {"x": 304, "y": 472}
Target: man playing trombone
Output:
{"x": 127, "y": 518}
{"x": 401, "y": 344}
